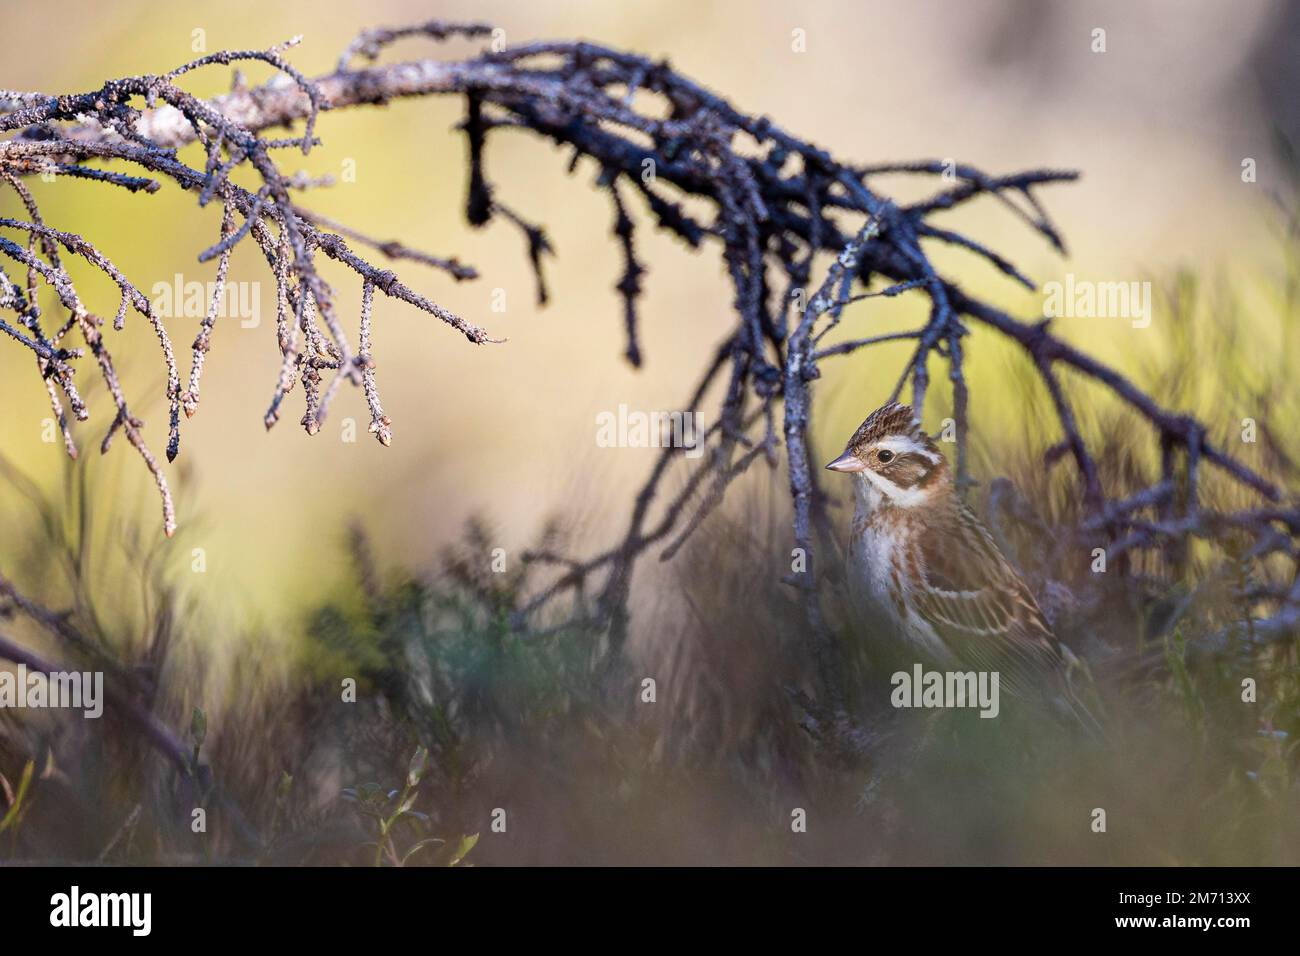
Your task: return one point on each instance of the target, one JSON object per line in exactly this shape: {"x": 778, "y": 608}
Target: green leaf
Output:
{"x": 15, "y": 812}
{"x": 430, "y": 841}
{"x": 419, "y": 762}
{"x": 466, "y": 844}
{"x": 198, "y": 727}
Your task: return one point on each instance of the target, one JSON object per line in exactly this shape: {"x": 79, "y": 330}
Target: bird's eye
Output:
{"x": 885, "y": 455}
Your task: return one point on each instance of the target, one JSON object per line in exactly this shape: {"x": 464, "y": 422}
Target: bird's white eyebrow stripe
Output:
{"x": 907, "y": 446}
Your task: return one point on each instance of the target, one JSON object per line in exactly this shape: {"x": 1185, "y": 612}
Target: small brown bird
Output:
{"x": 925, "y": 563}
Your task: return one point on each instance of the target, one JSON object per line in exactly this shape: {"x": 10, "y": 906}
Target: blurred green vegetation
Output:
{"x": 545, "y": 727}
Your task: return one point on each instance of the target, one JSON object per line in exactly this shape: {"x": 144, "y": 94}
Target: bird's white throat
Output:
{"x": 874, "y": 491}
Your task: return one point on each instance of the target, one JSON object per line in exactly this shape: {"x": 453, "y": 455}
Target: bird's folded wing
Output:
{"x": 977, "y": 604}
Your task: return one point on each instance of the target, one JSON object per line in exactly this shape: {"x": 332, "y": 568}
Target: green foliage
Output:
{"x": 17, "y": 800}
{"x": 388, "y": 810}
{"x": 459, "y": 710}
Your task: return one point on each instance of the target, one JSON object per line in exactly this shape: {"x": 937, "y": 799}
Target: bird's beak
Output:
{"x": 847, "y": 462}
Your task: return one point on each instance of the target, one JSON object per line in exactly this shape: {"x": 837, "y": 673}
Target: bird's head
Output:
{"x": 895, "y": 461}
